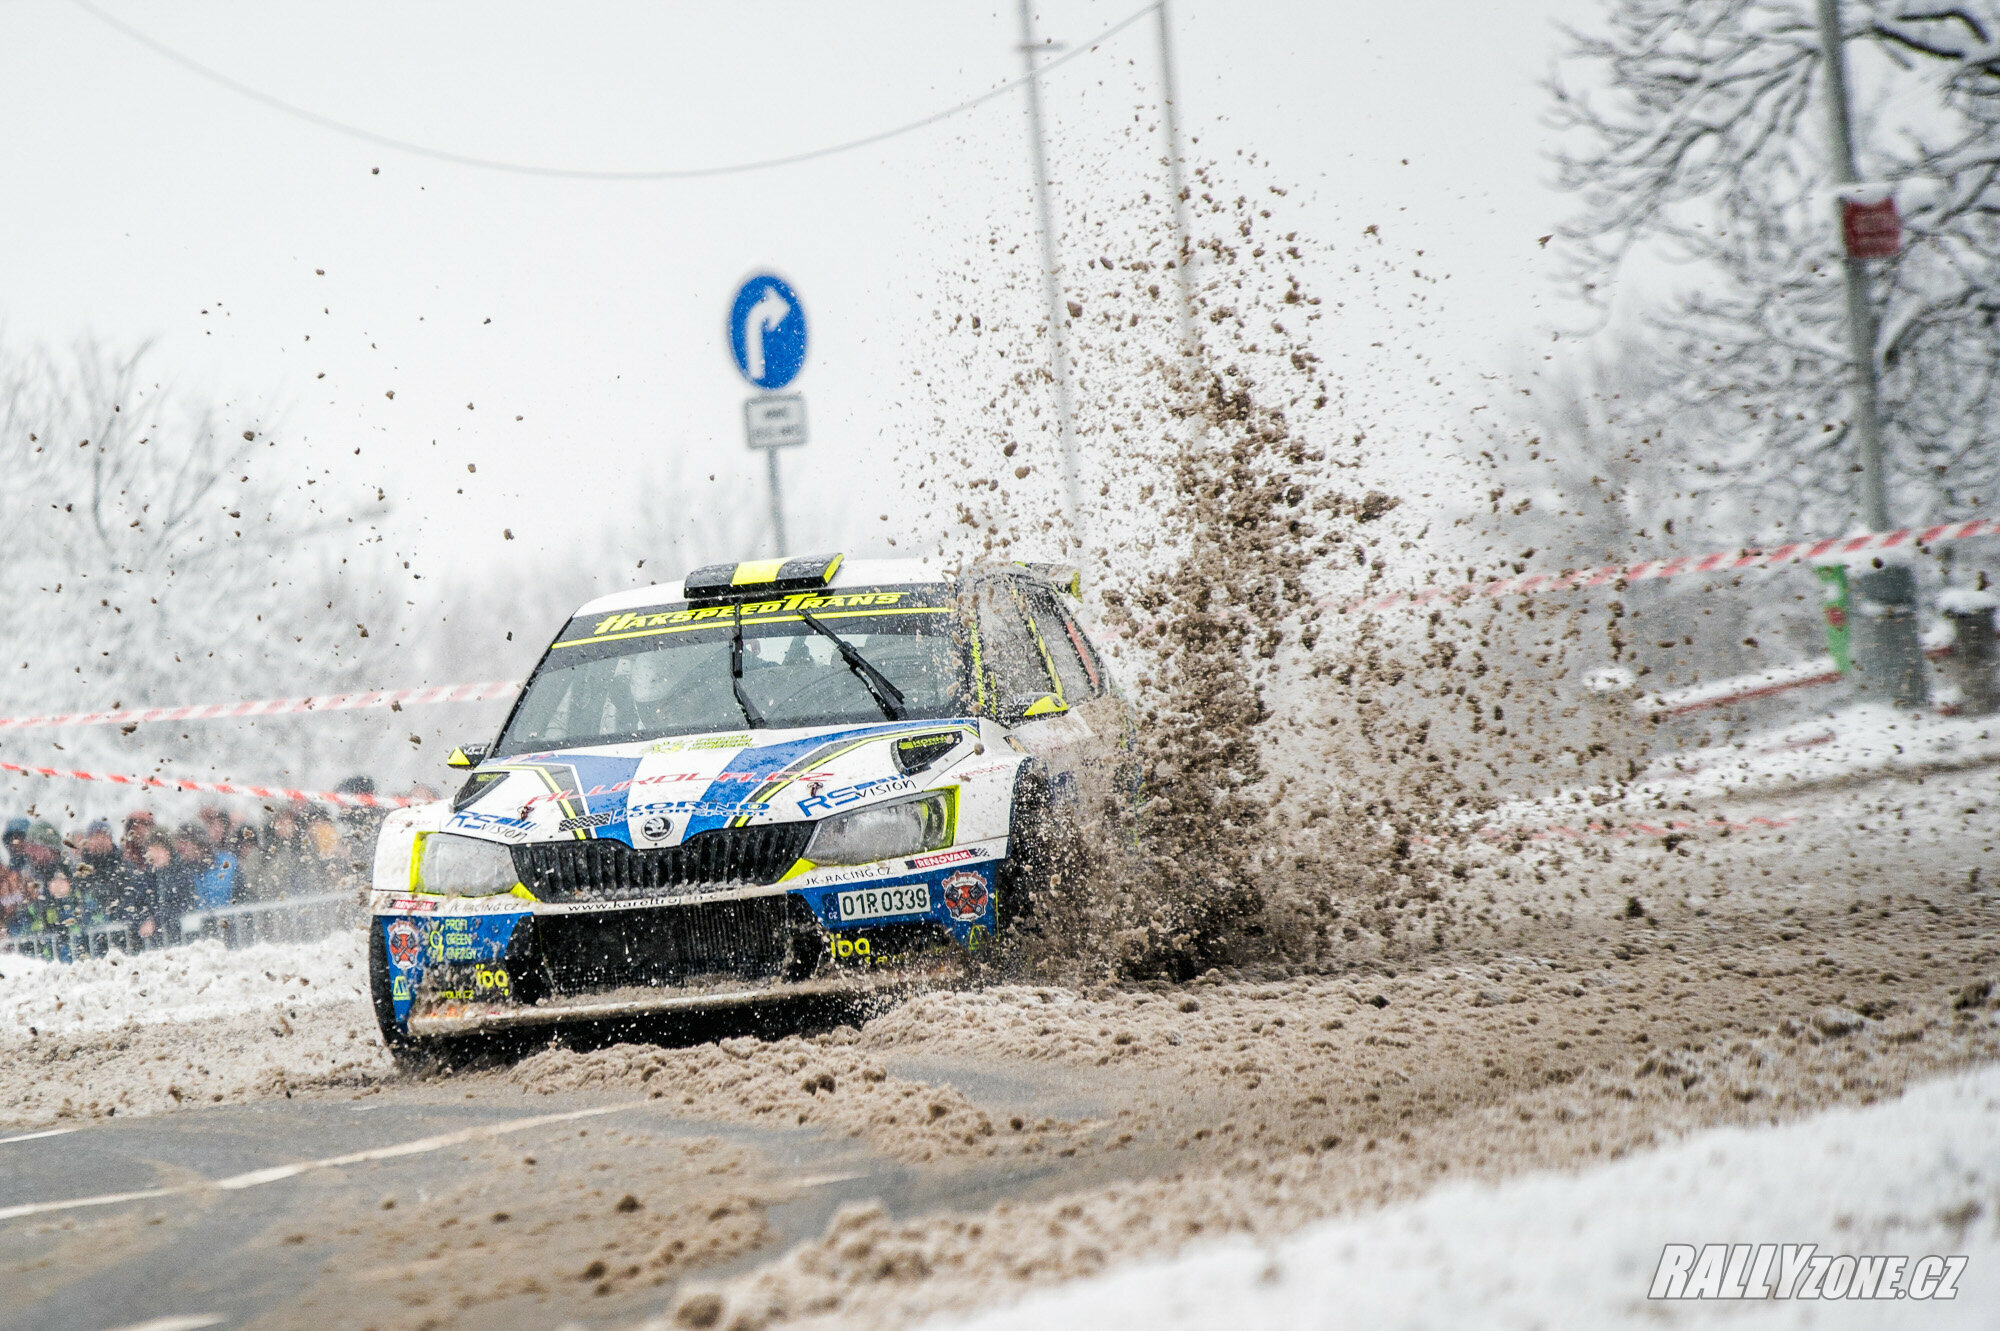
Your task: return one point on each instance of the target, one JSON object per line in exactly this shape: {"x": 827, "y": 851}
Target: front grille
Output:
{"x": 747, "y": 939}
{"x": 613, "y": 871}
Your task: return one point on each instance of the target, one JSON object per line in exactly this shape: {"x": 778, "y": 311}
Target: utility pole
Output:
{"x": 1170, "y": 123}
{"x": 1052, "y": 283}
{"x": 1892, "y": 659}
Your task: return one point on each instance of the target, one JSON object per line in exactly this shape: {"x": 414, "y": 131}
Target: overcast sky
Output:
{"x": 145, "y": 203}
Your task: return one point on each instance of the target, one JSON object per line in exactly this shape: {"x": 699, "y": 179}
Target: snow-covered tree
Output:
{"x": 158, "y": 548}
{"x": 1695, "y": 130}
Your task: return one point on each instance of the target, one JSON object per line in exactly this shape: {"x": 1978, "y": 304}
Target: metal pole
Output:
{"x": 1052, "y": 283}
{"x": 777, "y": 504}
{"x": 1170, "y": 122}
{"x": 1860, "y": 314}
{"x": 1895, "y": 657}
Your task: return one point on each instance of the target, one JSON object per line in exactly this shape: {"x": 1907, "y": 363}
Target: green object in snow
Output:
{"x": 1833, "y": 605}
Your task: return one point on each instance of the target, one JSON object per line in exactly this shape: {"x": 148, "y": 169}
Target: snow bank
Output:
{"x": 1864, "y": 739}
{"x": 189, "y": 983}
{"x": 1913, "y": 1176}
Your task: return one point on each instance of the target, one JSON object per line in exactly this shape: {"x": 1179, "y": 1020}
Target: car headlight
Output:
{"x": 462, "y": 866}
{"x": 884, "y": 831}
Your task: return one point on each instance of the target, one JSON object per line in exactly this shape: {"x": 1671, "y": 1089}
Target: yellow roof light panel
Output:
{"x": 757, "y": 577}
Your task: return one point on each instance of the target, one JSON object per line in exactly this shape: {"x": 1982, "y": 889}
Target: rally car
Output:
{"x": 771, "y": 779}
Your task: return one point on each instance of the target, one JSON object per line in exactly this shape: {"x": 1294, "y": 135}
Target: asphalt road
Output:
{"x": 273, "y": 1214}
{"x": 472, "y": 1199}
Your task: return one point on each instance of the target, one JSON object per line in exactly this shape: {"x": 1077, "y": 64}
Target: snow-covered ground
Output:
{"x": 189, "y": 983}
{"x": 1915, "y": 1176}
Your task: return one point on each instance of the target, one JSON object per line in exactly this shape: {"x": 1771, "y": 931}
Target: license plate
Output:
{"x": 874, "y": 902}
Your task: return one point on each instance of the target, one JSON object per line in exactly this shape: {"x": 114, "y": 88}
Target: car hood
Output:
{"x": 661, "y": 792}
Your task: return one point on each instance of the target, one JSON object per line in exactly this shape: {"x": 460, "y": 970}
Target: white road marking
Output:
{"x": 186, "y": 1323}
{"x": 259, "y": 1177}
{"x": 34, "y": 1136}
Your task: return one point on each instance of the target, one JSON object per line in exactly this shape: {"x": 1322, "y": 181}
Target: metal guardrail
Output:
{"x": 293, "y": 919}
{"x": 95, "y": 940}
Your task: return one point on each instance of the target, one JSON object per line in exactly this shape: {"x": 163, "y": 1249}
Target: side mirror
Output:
{"x": 468, "y": 755}
{"x": 1031, "y": 706}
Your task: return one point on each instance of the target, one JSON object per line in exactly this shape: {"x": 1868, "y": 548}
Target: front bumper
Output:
{"x": 461, "y": 1018}
{"x": 456, "y": 965}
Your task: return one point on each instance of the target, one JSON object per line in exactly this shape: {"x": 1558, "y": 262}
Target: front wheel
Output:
{"x": 1044, "y": 851}
{"x": 405, "y": 1048}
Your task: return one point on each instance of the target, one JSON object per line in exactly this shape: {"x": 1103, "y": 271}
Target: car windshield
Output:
{"x": 665, "y": 670}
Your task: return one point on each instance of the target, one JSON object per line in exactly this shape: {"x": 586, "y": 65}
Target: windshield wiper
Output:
{"x": 887, "y": 696}
{"x": 736, "y": 673}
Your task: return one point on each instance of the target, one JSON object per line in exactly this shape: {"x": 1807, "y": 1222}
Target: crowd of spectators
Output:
{"x": 57, "y": 889}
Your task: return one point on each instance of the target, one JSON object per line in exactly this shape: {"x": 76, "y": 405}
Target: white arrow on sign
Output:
{"x": 769, "y": 311}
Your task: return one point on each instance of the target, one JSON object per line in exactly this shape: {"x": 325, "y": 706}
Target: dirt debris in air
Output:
{"x": 1306, "y": 770}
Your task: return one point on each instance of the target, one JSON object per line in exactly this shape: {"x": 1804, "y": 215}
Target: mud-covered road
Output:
{"x": 1565, "y": 1001}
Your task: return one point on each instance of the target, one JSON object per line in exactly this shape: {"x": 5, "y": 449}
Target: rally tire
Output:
{"x": 1041, "y": 850}
{"x": 403, "y": 1047}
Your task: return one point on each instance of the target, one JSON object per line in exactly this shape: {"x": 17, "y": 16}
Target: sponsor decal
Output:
{"x": 630, "y": 620}
{"x": 876, "y": 902}
{"x": 988, "y": 770}
{"x": 966, "y": 895}
{"x": 491, "y": 824}
{"x": 588, "y": 820}
{"x": 853, "y": 873}
{"x": 413, "y": 904}
{"x": 492, "y": 979}
{"x": 716, "y": 808}
{"x": 405, "y": 943}
{"x": 697, "y": 745}
{"x": 943, "y": 857}
{"x": 1800, "y": 1271}
{"x": 844, "y": 949}
{"x": 453, "y": 938}
{"x": 401, "y": 990}
{"x": 844, "y": 795}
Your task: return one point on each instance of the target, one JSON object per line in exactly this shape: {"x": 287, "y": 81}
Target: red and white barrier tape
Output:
{"x": 222, "y": 788}
{"x": 332, "y": 702}
{"x": 1721, "y": 562}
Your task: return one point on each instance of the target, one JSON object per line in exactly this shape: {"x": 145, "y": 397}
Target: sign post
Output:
{"x": 1834, "y": 604}
{"x": 767, "y": 338}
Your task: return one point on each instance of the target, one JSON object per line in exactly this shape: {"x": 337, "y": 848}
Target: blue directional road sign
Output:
{"x": 767, "y": 332}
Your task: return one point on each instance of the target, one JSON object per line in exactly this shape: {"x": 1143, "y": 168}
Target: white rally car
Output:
{"x": 770, "y": 779}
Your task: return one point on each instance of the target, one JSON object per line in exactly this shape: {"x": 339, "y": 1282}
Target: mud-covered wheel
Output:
{"x": 403, "y": 1047}
{"x": 1043, "y": 849}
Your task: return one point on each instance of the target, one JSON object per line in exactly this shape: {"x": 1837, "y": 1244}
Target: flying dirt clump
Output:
{"x": 1289, "y": 805}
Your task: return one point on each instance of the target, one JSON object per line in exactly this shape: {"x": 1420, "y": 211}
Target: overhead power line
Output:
{"x": 577, "y": 173}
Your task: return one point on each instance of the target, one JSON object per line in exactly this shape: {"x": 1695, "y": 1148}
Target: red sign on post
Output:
{"x": 1871, "y": 230}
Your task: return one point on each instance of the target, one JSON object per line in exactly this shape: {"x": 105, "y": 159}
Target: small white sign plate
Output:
{"x": 775, "y": 420}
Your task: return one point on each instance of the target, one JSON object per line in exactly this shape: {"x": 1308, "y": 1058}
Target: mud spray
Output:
{"x": 1306, "y": 771}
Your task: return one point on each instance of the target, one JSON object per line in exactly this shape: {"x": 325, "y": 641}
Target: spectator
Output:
{"x": 15, "y": 896}
{"x": 138, "y": 830}
{"x": 289, "y": 864}
{"x": 162, "y": 891}
{"x": 34, "y": 849}
{"x": 15, "y": 838}
{"x": 215, "y": 867}
{"x": 41, "y": 851}
{"x": 215, "y": 826}
{"x": 101, "y": 874}
{"x": 57, "y": 912}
